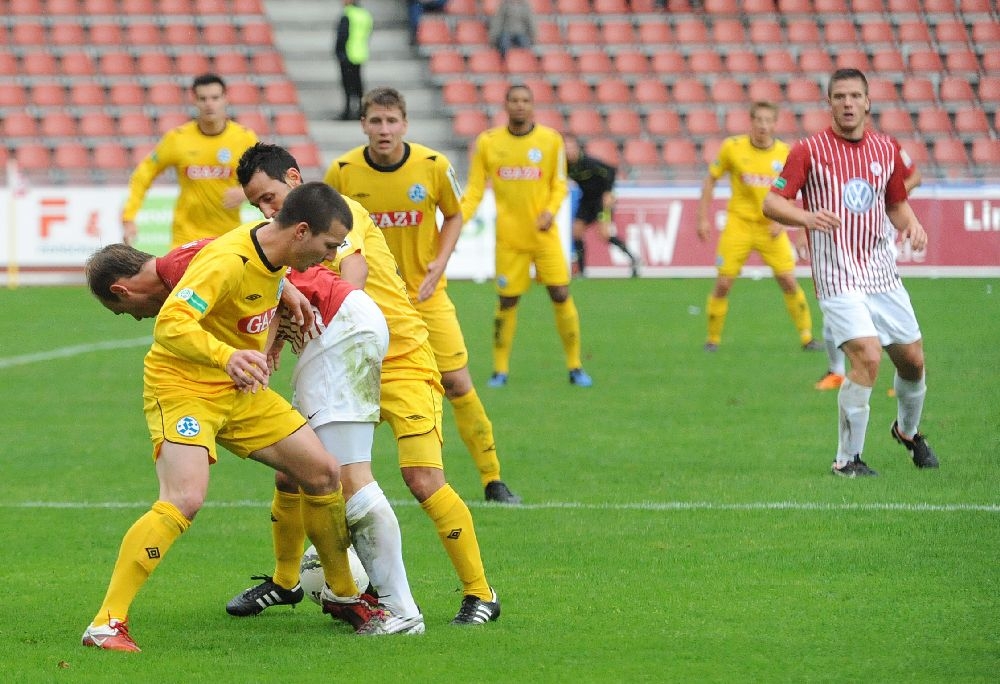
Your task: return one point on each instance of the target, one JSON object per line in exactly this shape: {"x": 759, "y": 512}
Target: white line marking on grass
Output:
{"x": 76, "y": 350}
{"x": 641, "y": 506}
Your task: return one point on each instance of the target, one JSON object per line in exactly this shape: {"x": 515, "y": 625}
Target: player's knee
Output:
{"x": 423, "y": 481}
{"x": 456, "y": 383}
{"x": 558, "y": 293}
{"x": 319, "y": 476}
{"x": 284, "y": 483}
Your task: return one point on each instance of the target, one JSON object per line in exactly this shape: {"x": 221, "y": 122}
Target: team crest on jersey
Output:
{"x": 859, "y": 195}
{"x": 534, "y": 155}
{"x": 417, "y": 193}
{"x": 191, "y": 297}
{"x": 188, "y": 426}
{"x": 224, "y": 155}
{"x": 777, "y": 165}
{"x": 876, "y": 168}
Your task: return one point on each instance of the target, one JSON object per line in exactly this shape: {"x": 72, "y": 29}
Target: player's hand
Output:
{"x": 248, "y": 370}
{"x": 298, "y": 306}
{"x": 129, "y": 232}
{"x": 233, "y": 197}
{"x": 916, "y": 234}
{"x": 822, "y": 220}
{"x": 435, "y": 270}
{"x": 703, "y": 230}
{"x": 274, "y": 355}
{"x": 544, "y": 221}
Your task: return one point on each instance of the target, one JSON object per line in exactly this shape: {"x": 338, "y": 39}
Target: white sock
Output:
{"x": 835, "y": 357}
{"x": 910, "y": 403}
{"x": 853, "y": 413}
{"x": 377, "y": 540}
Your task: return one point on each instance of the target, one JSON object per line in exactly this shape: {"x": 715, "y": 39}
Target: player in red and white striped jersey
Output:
{"x": 851, "y": 179}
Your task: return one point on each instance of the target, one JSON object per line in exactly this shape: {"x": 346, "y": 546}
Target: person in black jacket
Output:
{"x": 596, "y": 180}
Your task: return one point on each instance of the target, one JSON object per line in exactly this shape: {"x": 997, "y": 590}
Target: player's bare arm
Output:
{"x": 784, "y": 211}
{"x": 451, "y": 229}
{"x": 129, "y": 232}
{"x": 354, "y": 269}
{"x": 544, "y": 221}
{"x": 233, "y": 197}
{"x": 297, "y": 305}
{"x": 704, "y": 228}
{"x": 905, "y": 221}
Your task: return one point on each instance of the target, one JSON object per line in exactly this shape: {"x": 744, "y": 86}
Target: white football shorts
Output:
{"x": 886, "y": 315}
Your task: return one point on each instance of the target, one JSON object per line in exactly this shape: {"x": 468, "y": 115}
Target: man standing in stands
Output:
{"x": 351, "y": 50}
{"x": 204, "y": 153}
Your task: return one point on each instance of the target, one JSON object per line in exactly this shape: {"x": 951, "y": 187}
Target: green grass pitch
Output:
{"x": 680, "y": 522}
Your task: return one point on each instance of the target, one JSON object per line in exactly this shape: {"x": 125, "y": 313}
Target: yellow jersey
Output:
{"x": 528, "y": 175}
{"x": 407, "y": 330}
{"x": 402, "y": 201}
{"x": 751, "y": 171}
{"x": 206, "y": 168}
{"x": 225, "y": 301}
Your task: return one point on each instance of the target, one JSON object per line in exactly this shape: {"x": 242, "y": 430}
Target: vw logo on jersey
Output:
{"x": 534, "y": 155}
{"x": 417, "y": 193}
{"x": 876, "y": 168}
{"x": 224, "y": 155}
{"x": 188, "y": 427}
{"x": 859, "y": 195}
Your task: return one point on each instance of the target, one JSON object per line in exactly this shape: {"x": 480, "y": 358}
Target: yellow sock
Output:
{"x": 798, "y": 309}
{"x": 142, "y": 548}
{"x": 326, "y": 524}
{"x": 717, "y": 309}
{"x": 454, "y": 527}
{"x": 476, "y": 431}
{"x": 504, "y": 327}
{"x": 568, "y": 325}
{"x": 289, "y": 537}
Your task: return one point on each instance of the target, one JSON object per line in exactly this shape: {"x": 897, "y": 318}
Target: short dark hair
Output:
{"x": 315, "y": 204}
{"x": 519, "y": 86}
{"x": 383, "y": 97}
{"x": 273, "y": 160}
{"x": 846, "y": 75}
{"x": 207, "y": 79}
{"x": 110, "y": 263}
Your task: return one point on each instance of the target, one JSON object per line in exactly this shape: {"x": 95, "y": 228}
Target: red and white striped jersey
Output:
{"x": 855, "y": 180}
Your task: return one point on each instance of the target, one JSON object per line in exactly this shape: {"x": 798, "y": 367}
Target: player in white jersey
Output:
{"x": 851, "y": 180}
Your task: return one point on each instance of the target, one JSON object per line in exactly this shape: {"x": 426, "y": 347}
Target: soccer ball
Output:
{"x": 311, "y": 573}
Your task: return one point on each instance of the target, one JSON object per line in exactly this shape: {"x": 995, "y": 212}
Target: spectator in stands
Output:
{"x": 204, "y": 153}
{"x": 513, "y": 25}
{"x": 416, "y": 11}
{"x": 351, "y": 49}
{"x": 596, "y": 180}
{"x": 752, "y": 162}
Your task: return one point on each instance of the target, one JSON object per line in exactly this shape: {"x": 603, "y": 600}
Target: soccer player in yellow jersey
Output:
{"x": 411, "y": 400}
{"x": 413, "y": 182}
{"x": 204, "y": 153}
{"x": 206, "y": 382}
{"x": 526, "y": 165}
{"x": 752, "y": 162}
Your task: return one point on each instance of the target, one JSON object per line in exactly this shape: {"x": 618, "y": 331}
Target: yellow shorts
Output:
{"x": 514, "y": 266}
{"x": 241, "y": 422}
{"x": 740, "y": 238}
{"x": 444, "y": 332}
{"x": 412, "y": 401}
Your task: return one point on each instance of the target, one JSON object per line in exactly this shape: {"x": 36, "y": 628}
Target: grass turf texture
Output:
{"x": 681, "y": 523}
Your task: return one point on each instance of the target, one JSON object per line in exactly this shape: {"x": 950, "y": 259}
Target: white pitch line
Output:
{"x": 639, "y": 506}
{"x": 76, "y": 350}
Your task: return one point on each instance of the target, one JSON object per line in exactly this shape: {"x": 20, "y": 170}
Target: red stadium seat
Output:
{"x": 950, "y": 152}
{"x": 765, "y": 90}
{"x": 795, "y": 6}
{"x": 951, "y": 32}
{"x": 722, "y": 6}
{"x": 691, "y": 32}
{"x": 13, "y": 95}
{"x": 243, "y": 93}
{"x": 655, "y": 34}
{"x": 280, "y": 93}
{"x": 765, "y": 31}
{"x": 850, "y": 58}
{"x": 986, "y": 35}
{"x": 668, "y": 62}
{"x": 925, "y": 61}
{"x": 139, "y": 151}
{"x": 838, "y": 7}
{"x": 459, "y": 93}
{"x": 989, "y": 91}
{"x": 126, "y": 94}
{"x": 33, "y": 157}
{"x": 933, "y": 121}
{"x": 541, "y": 90}
{"x": 40, "y": 64}
{"x": 68, "y": 34}
{"x": 787, "y": 126}
{"x": 257, "y": 33}
{"x": 916, "y": 148}
{"x": 572, "y": 6}
{"x": 915, "y": 31}
{"x": 987, "y": 7}
{"x": 582, "y": 32}
{"x": 62, "y": 7}
{"x": 703, "y": 122}
{"x": 19, "y": 125}
{"x": 689, "y": 91}
{"x": 815, "y": 61}
{"x": 543, "y": 6}
{"x": 494, "y": 91}
{"x": 630, "y": 62}
{"x": 558, "y": 64}
{"x": 546, "y": 116}
{"x": 267, "y": 62}
{"x": 485, "y": 61}
{"x": 956, "y": 90}
{"x": 965, "y": 62}
{"x": 585, "y": 122}
{"x": 247, "y": 7}
{"x": 840, "y": 32}
{"x": 641, "y": 153}
{"x": 742, "y": 62}
{"x": 231, "y": 64}
{"x": 208, "y": 7}
{"x": 887, "y": 61}
{"x": 462, "y": 7}
{"x": 728, "y": 32}
{"x": 971, "y": 123}
{"x": 135, "y": 124}
{"x": 190, "y": 62}
{"x": 28, "y": 34}
{"x": 680, "y": 152}
{"x": 116, "y": 63}
{"x": 522, "y": 61}
{"x": 142, "y": 34}
{"x": 727, "y": 90}
{"x": 710, "y": 149}
{"x": 991, "y": 62}
{"x": 758, "y": 7}
{"x": 97, "y": 124}
{"x": 618, "y": 32}
{"x": 594, "y": 63}
{"x": 780, "y": 61}
{"x": 8, "y": 63}
{"x": 705, "y": 62}
{"x": 48, "y": 94}
{"x": 221, "y": 33}
{"x": 470, "y": 33}
{"x": 434, "y": 32}
{"x": 815, "y": 120}
{"x": 77, "y": 63}
{"x": 573, "y": 92}
{"x": 291, "y": 123}
{"x": 604, "y": 149}
{"x": 736, "y": 121}
{"x": 256, "y": 121}
{"x": 917, "y": 90}
{"x": 111, "y": 155}
{"x": 623, "y": 122}
{"x": 548, "y": 34}
{"x": 650, "y": 91}
{"x": 986, "y": 152}
{"x": 882, "y": 90}
{"x": 468, "y": 123}
{"x": 877, "y": 33}
{"x": 181, "y": 34}
{"x": 803, "y": 32}
{"x": 169, "y": 120}
{"x": 93, "y": 7}
{"x": 896, "y": 121}
{"x": 154, "y": 64}
{"x": 663, "y": 122}
{"x": 57, "y": 124}
{"x": 804, "y": 90}
{"x": 72, "y": 156}
{"x": 177, "y": 7}
{"x": 610, "y": 7}
{"x": 612, "y": 91}
{"x": 167, "y": 94}
{"x": 867, "y": 6}
{"x": 447, "y": 63}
